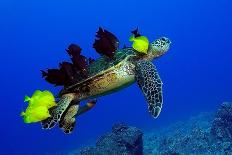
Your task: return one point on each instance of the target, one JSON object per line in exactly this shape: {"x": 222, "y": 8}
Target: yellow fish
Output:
{"x": 38, "y": 106}
{"x": 140, "y": 43}
{"x": 35, "y": 114}
{"x": 40, "y": 98}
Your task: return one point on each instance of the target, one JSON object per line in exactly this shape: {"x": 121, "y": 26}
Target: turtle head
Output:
{"x": 158, "y": 47}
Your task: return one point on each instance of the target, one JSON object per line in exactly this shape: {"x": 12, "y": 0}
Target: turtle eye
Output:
{"x": 163, "y": 39}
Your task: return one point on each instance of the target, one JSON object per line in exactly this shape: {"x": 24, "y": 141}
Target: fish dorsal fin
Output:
{"x": 136, "y": 32}
{"x": 105, "y": 43}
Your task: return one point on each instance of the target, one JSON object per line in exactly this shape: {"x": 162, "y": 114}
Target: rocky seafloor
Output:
{"x": 207, "y": 133}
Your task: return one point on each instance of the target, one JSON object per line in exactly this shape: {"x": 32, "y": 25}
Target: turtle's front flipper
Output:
{"x": 57, "y": 111}
{"x": 149, "y": 81}
{"x": 67, "y": 121}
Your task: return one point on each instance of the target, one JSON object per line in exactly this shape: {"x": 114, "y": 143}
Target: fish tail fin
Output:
{"x": 44, "y": 74}
{"x": 132, "y": 38}
{"x": 26, "y": 98}
{"x": 22, "y": 113}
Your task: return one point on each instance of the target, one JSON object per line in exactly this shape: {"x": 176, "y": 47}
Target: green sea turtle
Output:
{"x": 113, "y": 71}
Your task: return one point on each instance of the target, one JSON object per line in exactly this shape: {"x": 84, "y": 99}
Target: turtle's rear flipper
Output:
{"x": 68, "y": 121}
{"x": 86, "y": 107}
{"x": 57, "y": 111}
{"x": 149, "y": 81}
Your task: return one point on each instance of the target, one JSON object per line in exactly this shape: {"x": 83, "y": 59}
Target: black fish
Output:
{"x": 136, "y": 32}
{"x": 67, "y": 69}
{"x": 73, "y": 50}
{"x": 106, "y": 43}
{"x": 79, "y": 61}
{"x": 55, "y": 76}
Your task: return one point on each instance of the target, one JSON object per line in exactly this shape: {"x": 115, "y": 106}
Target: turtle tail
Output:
{"x": 57, "y": 112}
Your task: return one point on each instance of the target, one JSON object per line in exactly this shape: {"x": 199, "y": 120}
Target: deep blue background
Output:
{"x": 196, "y": 72}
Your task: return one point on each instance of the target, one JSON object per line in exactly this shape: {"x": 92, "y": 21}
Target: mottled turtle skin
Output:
{"x": 110, "y": 75}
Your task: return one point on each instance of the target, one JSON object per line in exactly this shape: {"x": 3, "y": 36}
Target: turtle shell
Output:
{"x": 104, "y": 62}
{"x": 100, "y": 65}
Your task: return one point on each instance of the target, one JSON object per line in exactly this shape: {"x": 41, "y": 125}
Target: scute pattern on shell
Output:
{"x": 104, "y": 62}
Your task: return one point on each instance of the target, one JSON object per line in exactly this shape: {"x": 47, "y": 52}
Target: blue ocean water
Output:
{"x": 196, "y": 72}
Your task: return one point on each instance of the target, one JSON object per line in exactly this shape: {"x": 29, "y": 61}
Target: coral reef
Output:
{"x": 122, "y": 140}
{"x": 190, "y": 137}
{"x": 222, "y": 124}
{"x": 207, "y": 133}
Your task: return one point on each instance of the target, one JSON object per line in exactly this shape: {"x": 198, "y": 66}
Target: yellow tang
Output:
{"x": 38, "y": 106}
{"x": 140, "y": 43}
{"x": 36, "y": 114}
{"x": 41, "y": 98}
